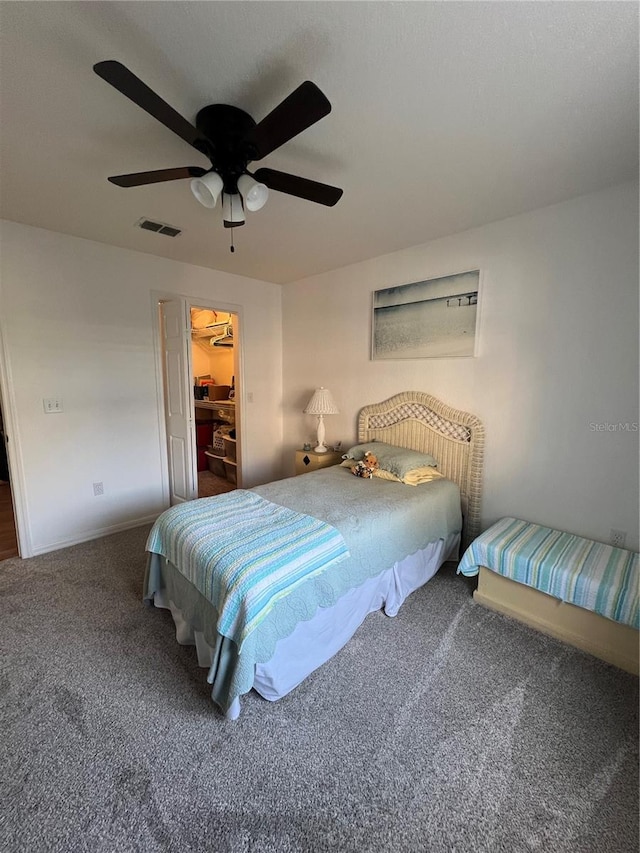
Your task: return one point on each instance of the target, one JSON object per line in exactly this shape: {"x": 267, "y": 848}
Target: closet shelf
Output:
{"x": 213, "y": 330}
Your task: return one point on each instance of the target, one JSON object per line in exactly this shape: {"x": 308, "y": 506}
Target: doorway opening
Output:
{"x": 200, "y": 365}
{"x": 8, "y": 533}
{"x": 214, "y": 366}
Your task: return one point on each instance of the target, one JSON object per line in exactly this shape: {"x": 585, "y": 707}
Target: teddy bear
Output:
{"x": 366, "y": 466}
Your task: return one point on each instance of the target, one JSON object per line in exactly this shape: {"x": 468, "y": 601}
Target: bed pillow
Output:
{"x": 397, "y": 460}
{"x": 414, "y": 477}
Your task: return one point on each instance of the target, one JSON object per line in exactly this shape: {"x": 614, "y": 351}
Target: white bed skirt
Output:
{"x": 315, "y": 641}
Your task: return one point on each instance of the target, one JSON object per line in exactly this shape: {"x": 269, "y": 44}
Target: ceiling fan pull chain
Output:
{"x": 231, "y": 247}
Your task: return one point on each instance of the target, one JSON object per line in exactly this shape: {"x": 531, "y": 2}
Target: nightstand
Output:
{"x": 309, "y": 460}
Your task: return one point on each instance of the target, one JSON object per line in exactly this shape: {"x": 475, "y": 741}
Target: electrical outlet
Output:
{"x": 52, "y": 405}
{"x": 98, "y": 489}
{"x": 617, "y": 538}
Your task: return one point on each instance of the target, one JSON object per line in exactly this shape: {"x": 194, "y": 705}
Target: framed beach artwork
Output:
{"x": 434, "y": 318}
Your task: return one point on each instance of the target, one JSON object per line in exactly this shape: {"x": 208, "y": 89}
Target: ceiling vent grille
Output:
{"x": 158, "y": 227}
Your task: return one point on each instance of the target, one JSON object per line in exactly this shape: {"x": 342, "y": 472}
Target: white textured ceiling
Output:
{"x": 445, "y": 116}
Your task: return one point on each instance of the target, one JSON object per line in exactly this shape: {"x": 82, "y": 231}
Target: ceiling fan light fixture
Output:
{"x": 232, "y": 210}
{"x": 255, "y": 194}
{"x": 231, "y": 139}
{"x": 207, "y": 189}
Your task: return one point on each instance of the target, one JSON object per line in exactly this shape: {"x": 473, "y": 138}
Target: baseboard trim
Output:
{"x": 89, "y": 535}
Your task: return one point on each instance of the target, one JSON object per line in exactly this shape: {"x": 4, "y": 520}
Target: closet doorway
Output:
{"x": 214, "y": 368}
{"x": 8, "y": 533}
{"x": 201, "y": 378}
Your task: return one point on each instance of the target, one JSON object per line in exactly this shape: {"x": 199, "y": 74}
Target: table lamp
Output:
{"x": 321, "y": 404}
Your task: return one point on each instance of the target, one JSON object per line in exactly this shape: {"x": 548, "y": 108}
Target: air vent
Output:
{"x": 158, "y": 227}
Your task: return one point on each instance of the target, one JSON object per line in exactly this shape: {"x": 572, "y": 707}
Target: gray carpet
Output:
{"x": 448, "y": 728}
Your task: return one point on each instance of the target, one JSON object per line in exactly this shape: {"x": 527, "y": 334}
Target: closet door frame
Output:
{"x": 158, "y": 297}
{"x": 14, "y": 454}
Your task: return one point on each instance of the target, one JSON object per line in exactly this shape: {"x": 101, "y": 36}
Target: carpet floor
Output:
{"x": 210, "y": 485}
{"x": 446, "y": 728}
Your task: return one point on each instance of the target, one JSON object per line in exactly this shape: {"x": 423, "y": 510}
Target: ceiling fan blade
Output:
{"x": 133, "y": 88}
{"x": 138, "y": 179}
{"x": 302, "y": 108}
{"x": 300, "y": 187}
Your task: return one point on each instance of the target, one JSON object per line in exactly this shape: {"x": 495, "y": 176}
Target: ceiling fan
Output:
{"x": 231, "y": 139}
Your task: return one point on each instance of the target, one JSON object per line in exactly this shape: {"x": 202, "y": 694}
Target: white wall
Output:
{"x": 558, "y": 352}
{"x": 217, "y": 362}
{"x": 77, "y": 322}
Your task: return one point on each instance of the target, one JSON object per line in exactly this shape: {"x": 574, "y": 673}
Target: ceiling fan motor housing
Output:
{"x": 225, "y": 128}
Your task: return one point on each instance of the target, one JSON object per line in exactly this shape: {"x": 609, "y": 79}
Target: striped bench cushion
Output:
{"x": 585, "y": 573}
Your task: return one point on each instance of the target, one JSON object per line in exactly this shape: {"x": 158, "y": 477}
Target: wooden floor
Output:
{"x": 8, "y": 539}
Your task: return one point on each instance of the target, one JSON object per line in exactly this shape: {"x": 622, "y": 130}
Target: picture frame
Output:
{"x": 433, "y": 318}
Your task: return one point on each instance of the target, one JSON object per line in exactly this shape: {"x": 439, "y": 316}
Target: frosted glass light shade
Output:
{"x": 207, "y": 189}
{"x": 232, "y": 211}
{"x": 322, "y": 403}
{"x": 255, "y": 195}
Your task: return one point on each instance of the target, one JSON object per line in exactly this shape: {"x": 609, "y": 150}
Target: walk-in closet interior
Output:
{"x": 215, "y": 388}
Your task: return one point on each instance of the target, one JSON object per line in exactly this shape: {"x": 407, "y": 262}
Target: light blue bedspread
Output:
{"x": 244, "y": 553}
{"x": 381, "y": 522}
{"x": 585, "y": 573}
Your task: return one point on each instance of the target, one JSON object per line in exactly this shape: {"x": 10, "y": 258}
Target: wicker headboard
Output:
{"x": 456, "y": 439}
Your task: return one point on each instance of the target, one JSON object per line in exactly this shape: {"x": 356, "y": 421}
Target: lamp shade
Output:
{"x": 255, "y": 195}
{"x": 207, "y": 188}
{"x": 232, "y": 211}
{"x": 321, "y": 403}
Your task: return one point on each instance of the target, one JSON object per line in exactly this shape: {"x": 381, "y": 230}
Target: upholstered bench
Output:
{"x": 577, "y": 590}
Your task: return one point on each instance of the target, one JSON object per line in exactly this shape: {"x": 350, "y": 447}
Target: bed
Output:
{"x": 379, "y": 541}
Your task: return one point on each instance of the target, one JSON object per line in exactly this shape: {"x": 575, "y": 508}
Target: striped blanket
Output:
{"x": 585, "y": 573}
{"x": 244, "y": 553}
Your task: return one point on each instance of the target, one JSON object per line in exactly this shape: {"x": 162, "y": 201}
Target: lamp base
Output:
{"x": 320, "y": 436}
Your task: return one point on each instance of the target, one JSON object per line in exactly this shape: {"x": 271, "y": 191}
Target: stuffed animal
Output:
{"x": 366, "y": 466}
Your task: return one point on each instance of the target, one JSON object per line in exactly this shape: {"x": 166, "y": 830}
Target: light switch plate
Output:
{"x": 52, "y": 405}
